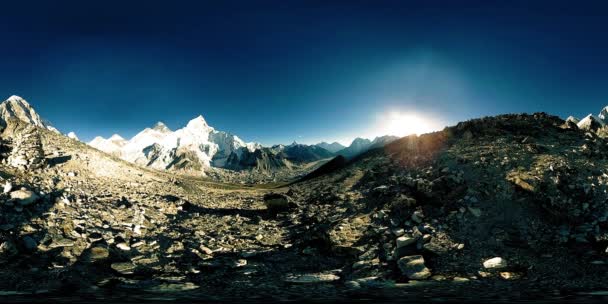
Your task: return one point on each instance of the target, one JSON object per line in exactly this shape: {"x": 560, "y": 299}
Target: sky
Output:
{"x": 310, "y": 71}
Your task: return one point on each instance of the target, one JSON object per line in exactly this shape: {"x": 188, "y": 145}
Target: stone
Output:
{"x": 276, "y": 202}
{"x": 510, "y": 275}
{"x": 475, "y": 211}
{"x": 417, "y": 217}
{"x": 314, "y": 278}
{"x": 495, "y": 263}
{"x": 96, "y": 254}
{"x": 61, "y": 243}
{"x": 124, "y": 268}
{"x": 8, "y": 187}
{"x": 403, "y": 241}
{"x": 123, "y": 246}
{"x": 413, "y": 267}
{"x": 8, "y": 249}
{"x": 27, "y": 152}
{"x": 205, "y": 250}
{"x": 24, "y": 196}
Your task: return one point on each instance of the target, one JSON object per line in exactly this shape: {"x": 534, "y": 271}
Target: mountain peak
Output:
{"x": 16, "y": 98}
{"x": 160, "y": 126}
{"x": 116, "y": 137}
{"x": 197, "y": 122}
{"x": 19, "y": 108}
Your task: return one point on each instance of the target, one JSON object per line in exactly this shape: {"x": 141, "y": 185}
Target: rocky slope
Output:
{"x": 512, "y": 206}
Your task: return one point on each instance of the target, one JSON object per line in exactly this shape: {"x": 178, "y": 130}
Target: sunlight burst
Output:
{"x": 402, "y": 124}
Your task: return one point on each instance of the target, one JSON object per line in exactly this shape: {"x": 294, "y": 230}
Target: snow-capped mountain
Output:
{"x": 591, "y": 122}
{"x": 360, "y": 145}
{"x": 333, "y": 147}
{"x": 19, "y": 108}
{"x": 195, "y": 146}
{"x": 112, "y": 145}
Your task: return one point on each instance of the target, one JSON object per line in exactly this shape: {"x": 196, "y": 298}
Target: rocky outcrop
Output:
{"x": 27, "y": 152}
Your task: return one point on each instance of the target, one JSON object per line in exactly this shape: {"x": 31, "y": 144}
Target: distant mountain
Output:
{"x": 333, "y": 147}
{"x": 591, "y": 122}
{"x": 193, "y": 147}
{"x": 360, "y": 145}
{"x": 112, "y": 145}
{"x": 19, "y": 108}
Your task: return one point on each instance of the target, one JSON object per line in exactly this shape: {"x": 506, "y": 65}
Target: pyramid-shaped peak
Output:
{"x": 197, "y": 122}
{"x": 160, "y": 126}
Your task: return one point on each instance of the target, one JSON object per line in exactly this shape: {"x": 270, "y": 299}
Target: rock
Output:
{"x": 276, "y": 202}
{"x": 413, "y": 267}
{"x": 475, "y": 211}
{"x": 123, "y": 246}
{"x": 460, "y": 280}
{"x": 61, "y": 243}
{"x": 24, "y": 196}
{"x": 510, "y": 275}
{"x": 29, "y": 243}
{"x": 435, "y": 248}
{"x": 417, "y": 217}
{"x": 239, "y": 263}
{"x": 205, "y": 250}
{"x": 403, "y": 241}
{"x": 8, "y": 187}
{"x": 27, "y": 152}
{"x": 8, "y": 249}
{"x": 96, "y": 254}
{"x": 312, "y": 278}
{"x": 495, "y": 263}
{"x": 124, "y": 268}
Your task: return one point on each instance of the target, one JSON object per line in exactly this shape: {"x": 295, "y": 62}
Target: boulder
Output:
{"x": 495, "y": 263}
{"x": 413, "y": 267}
{"x": 24, "y": 196}
{"x": 276, "y": 202}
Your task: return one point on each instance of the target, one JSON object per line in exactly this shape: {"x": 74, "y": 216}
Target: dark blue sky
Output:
{"x": 275, "y": 71}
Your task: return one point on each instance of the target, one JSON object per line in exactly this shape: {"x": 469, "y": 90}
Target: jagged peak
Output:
{"x": 160, "y": 126}
{"x": 197, "y": 122}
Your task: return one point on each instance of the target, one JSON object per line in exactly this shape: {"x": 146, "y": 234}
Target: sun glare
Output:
{"x": 402, "y": 124}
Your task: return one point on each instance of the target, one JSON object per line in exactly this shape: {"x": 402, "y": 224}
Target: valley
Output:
{"x": 473, "y": 211}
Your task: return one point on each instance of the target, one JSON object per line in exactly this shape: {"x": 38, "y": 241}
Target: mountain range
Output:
{"x": 198, "y": 146}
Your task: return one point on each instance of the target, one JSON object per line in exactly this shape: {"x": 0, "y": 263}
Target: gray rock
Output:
{"x": 124, "y": 268}
{"x": 312, "y": 278}
{"x": 276, "y": 202}
{"x": 24, "y": 196}
{"x": 413, "y": 267}
{"x": 403, "y": 241}
{"x": 495, "y": 263}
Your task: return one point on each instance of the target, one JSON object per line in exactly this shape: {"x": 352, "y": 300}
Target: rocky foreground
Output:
{"x": 509, "y": 207}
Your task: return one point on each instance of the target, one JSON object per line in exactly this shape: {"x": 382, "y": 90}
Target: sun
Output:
{"x": 402, "y": 124}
